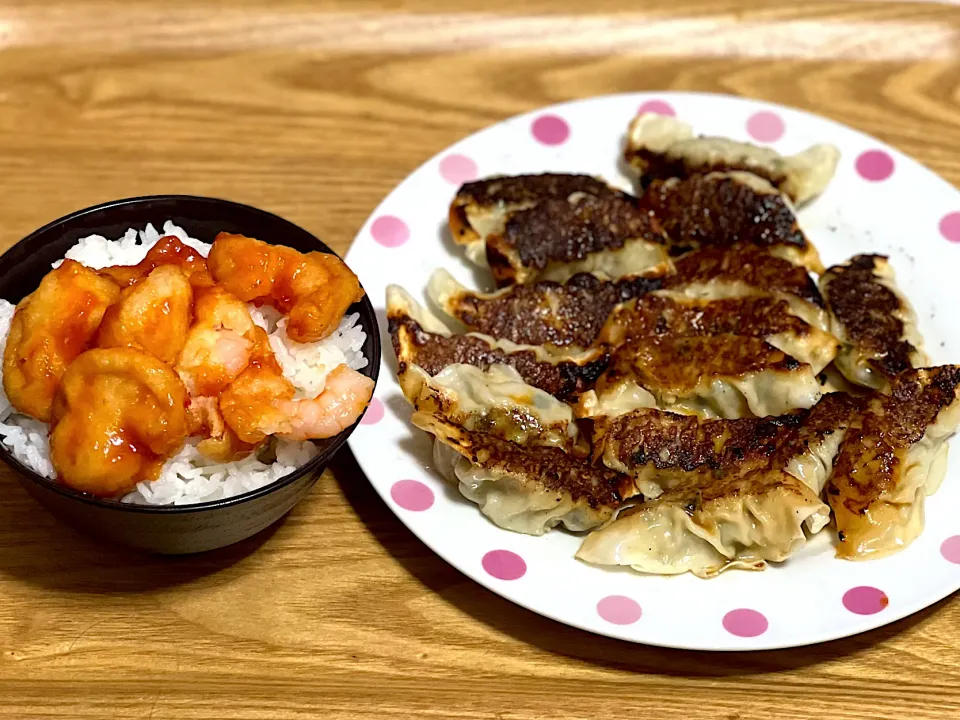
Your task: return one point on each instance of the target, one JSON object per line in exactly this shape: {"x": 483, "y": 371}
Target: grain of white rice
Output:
{"x": 188, "y": 477}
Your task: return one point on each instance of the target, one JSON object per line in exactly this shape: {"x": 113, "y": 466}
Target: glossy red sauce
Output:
{"x": 168, "y": 251}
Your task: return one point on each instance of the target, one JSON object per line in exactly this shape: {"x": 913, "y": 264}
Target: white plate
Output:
{"x": 880, "y": 201}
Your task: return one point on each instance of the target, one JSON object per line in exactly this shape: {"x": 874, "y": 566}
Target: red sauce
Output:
{"x": 124, "y": 449}
{"x": 168, "y": 251}
{"x": 78, "y": 328}
{"x": 283, "y": 294}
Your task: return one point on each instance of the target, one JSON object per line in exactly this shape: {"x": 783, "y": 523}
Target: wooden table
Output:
{"x": 315, "y": 111}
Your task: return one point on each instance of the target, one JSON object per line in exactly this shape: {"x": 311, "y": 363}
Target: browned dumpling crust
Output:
{"x": 564, "y": 378}
{"x": 746, "y": 265}
{"x": 559, "y": 235}
{"x": 486, "y": 203}
{"x": 893, "y": 454}
{"x": 572, "y": 313}
{"x": 565, "y": 314}
{"x": 754, "y": 316}
{"x": 659, "y": 449}
{"x": 677, "y": 364}
{"x": 551, "y": 226}
{"x": 726, "y": 376}
{"x": 873, "y": 319}
{"x": 725, "y": 209}
{"x": 525, "y": 488}
{"x": 664, "y": 314}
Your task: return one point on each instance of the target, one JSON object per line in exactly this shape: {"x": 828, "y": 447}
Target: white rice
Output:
{"x": 188, "y": 477}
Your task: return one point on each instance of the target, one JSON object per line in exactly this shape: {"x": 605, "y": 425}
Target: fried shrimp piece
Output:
{"x": 51, "y": 327}
{"x": 153, "y": 314}
{"x": 218, "y": 345}
{"x": 169, "y": 250}
{"x": 314, "y": 289}
{"x": 251, "y": 405}
{"x": 261, "y": 402}
{"x": 221, "y": 344}
{"x": 118, "y": 415}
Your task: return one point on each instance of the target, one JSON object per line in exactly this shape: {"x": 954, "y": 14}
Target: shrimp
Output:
{"x": 119, "y": 413}
{"x": 251, "y": 404}
{"x": 261, "y": 403}
{"x": 219, "y": 345}
{"x": 51, "y": 327}
{"x": 344, "y": 397}
{"x": 314, "y": 289}
{"x": 223, "y": 342}
{"x": 168, "y": 251}
{"x": 153, "y": 314}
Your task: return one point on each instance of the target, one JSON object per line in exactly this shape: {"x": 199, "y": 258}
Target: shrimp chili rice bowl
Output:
{"x": 157, "y": 369}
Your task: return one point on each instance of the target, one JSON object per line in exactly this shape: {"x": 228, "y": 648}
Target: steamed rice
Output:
{"x": 188, "y": 477}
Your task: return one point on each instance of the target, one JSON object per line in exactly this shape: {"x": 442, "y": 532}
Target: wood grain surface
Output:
{"x": 315, "y": 111}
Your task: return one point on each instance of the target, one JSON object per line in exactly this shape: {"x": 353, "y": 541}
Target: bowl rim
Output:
{"x": 372, "y": 370}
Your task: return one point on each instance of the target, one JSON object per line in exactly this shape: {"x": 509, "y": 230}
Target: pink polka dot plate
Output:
{"x": 880, "y": 201}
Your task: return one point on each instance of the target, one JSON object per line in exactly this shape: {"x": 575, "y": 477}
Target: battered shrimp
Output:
{"x": 251, "y": 405}
{"x": 50, "y": 328}
{"x": 153, "y": 314}
{"x": 118, "y": 415}
{"x": 261, "y": 402}
{"x": 314, "y": 289}
{"x": 219, "y": 345}
{"x": 168, "y": 251}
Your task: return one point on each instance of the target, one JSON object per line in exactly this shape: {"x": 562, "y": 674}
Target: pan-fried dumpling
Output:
{"x": 528, "y": 489}
{"x": 572, "y": 313}
{"x": 553, "y": 226}
{"x": 890, "y": 458}
{"x": 495, "y": 401}
{"x": 660, "y": 147}
{"x": 560, "y": 238}
{"x": 720, "y": 271}
{"x": 725, "y": 209}
{"x": 873, "y": 320}
{"x": 568, "y": 314}
{"x": 420, "y": 338}
{"x": 481, "y": 208}
{"x": 660, "y": 450}
{"x": 725, "y": 376}
{"x": 757, "y": 316}
{"x": 706, "y": 526}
